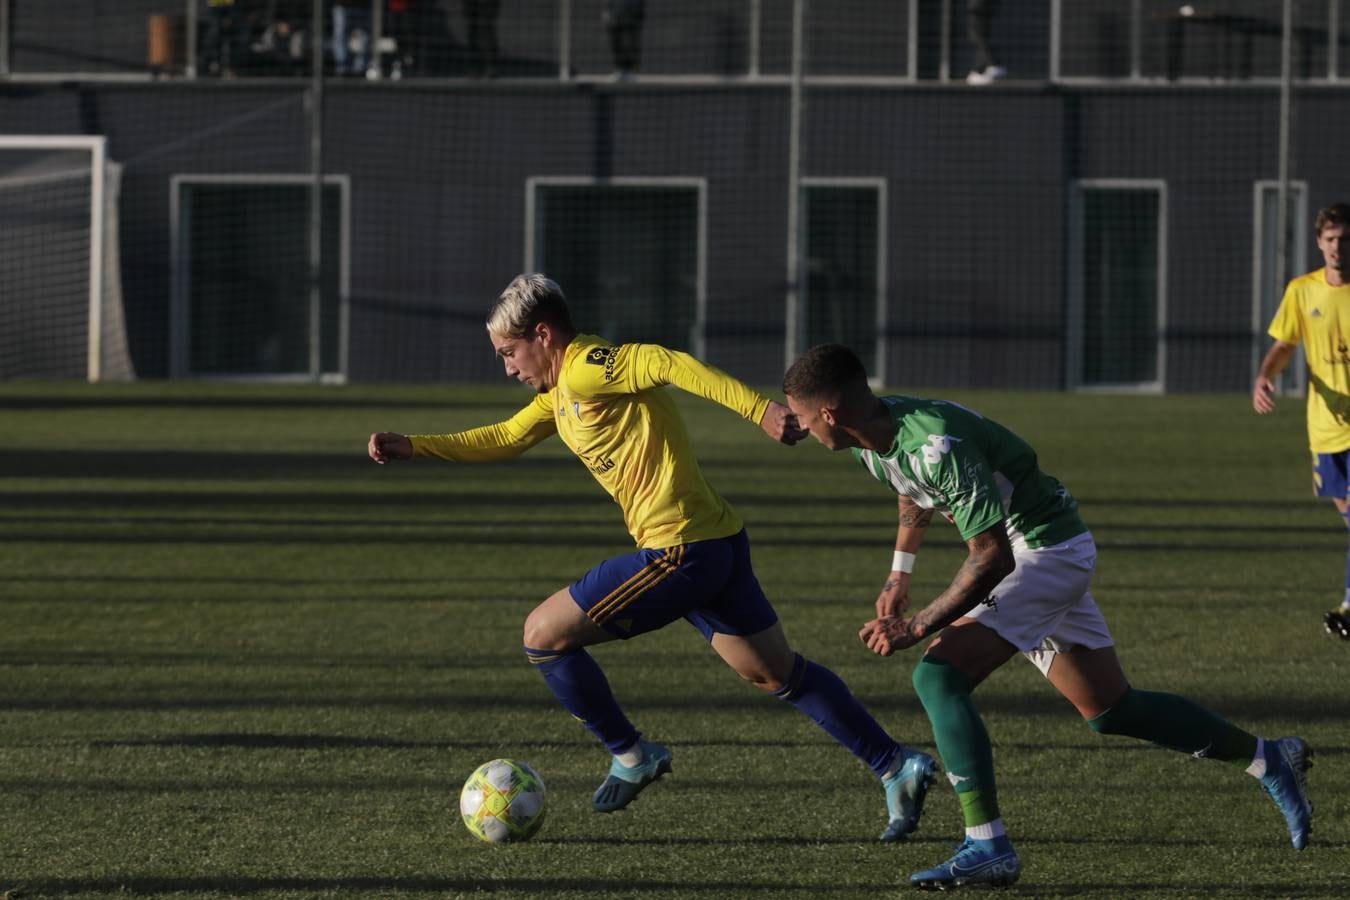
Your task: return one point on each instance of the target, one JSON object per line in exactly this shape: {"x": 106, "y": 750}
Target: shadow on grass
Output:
{"x": 602, "y": 517}
{"x": 245, "y": 400}
{"x": 375, "y": 886}
{"x": 268, "y": 741}
{"x": 260, "y": 531}
{"x": 735, "y": 698}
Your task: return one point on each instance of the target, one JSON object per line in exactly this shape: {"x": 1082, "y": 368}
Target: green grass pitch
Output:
{"x": 237, "y": 659}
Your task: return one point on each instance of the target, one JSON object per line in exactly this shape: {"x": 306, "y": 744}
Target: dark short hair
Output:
{"x": 1335, "y": 214}
{"x": 825, "y": 369}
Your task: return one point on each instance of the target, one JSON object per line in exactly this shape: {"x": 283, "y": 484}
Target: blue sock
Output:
{"x": 581, "y": 687}
{"x": 823, "y": 696}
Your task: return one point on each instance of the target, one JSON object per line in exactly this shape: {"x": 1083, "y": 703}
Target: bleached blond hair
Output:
{"x": 528, "y": 300}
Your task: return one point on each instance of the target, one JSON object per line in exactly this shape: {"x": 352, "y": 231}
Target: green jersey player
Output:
{"x": 1024, "y": 587}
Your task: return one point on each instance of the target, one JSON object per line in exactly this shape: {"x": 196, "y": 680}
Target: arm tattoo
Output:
{"x": 912, "y": 515}
{"x": 983, "y": 569}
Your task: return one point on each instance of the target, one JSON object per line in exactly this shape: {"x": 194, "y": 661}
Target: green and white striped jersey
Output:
{"x": 973, "y": 471}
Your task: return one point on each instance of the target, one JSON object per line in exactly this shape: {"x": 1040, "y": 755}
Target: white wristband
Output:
{"x": 903, "y": 562}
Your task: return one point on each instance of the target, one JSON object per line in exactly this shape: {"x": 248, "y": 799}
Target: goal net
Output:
{"x": 61, "y": 313}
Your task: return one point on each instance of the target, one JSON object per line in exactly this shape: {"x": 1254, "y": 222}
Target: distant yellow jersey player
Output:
{"x": 1315, "y": 312}
{"x": 611, "y": 407}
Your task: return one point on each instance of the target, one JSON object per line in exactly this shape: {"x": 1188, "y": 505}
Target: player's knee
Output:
{"x": 767, "y": 675}
{"x": 762, "y": 679}
{"x": 1117, "y": 719}
{"x": 785, "y": 682}
{"x": 935, "y": 679}
{"x": 540, "y": 634}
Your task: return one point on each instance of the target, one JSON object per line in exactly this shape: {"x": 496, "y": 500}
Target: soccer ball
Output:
{"x": 503, "y": 800}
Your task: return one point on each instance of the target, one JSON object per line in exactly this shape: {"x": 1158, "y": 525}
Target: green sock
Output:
{"x": 978, "y": 805}
{"x": 1176, "y": 723}
{"x": 961, "y": 739}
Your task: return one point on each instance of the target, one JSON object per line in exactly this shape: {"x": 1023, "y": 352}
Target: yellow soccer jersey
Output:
{"x": 1317, "y": 315}
{"x": 610, "y": 408}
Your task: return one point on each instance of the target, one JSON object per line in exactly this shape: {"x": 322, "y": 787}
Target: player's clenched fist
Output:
{"x": 886, "y": 635}
{"x": 387, "y": 445}
{"x": 780, "y": 424}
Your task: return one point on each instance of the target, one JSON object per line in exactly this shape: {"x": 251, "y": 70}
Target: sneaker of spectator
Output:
{"x": 989, "y": 75}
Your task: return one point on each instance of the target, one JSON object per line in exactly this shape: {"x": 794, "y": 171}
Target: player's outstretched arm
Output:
{"x": 387, "y": 445}
{"x": 780, "y": 424}
{"x": 639, "y": 367}
{"x": 988, "y": 562}
{"x": 1263, "y": 390}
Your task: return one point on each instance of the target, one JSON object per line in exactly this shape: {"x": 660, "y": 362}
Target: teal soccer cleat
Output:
{"x": 905, "y": 793}
{"x": 1286, "y": 781}
{"x": 625, "y": 783}
{"x": 992, "y": 862}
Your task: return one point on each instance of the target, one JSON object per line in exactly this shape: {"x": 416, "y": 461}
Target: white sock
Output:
{"x": 986, "y": 832}
{"x": 1258, "y": 767}
{"x": 632, "y": 756}
{"x": 1345, "y": 604}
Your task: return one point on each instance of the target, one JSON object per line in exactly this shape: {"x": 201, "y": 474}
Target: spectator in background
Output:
{"x": 280, "y": 47}
{"x": 623, "y": 20}
{"x": 224, "y": 42}
{"x": 401, "y": 21}
{"x": 979, "y": 15}
{"x": 480, "y": 25}
{"x": 351, "y": 36}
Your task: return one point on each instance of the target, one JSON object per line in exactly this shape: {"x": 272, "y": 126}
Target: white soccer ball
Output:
{"x": 503, "y": 800}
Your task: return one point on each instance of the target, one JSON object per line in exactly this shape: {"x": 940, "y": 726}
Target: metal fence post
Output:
{"x": 564, "y": 39}
{"x": 190, "y": 38}
{"x": 945, "y": 56}
{"x": 4, "y": 38}
{"x": 1286, "y": 117}
{"x": 756, "y": 13}
{"x": 794, "y": 287}
{"x": 316, "y": 190}
{"x": 375, "y": 66}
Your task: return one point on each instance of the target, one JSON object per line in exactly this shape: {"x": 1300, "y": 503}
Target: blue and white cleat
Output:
{"x": 626, "y": 782}
{"x": 905, "y": 793}
{"x": 1286, "y": 781}
{"x": 993, "y": 862}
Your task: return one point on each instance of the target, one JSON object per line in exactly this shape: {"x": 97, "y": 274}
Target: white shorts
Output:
{"x": 1044, "y": 607}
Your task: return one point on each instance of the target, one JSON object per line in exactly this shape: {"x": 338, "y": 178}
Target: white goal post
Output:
{"x": 50, "y": 234}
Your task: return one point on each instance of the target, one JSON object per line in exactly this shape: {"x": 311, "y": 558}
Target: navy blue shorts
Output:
{"x": 1329, "y": 474}
{"x": 709, "y": 583}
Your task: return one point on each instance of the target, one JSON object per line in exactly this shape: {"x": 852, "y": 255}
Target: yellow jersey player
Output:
{"x": 1315, "y": 312}
{"x": 609, "y": 405}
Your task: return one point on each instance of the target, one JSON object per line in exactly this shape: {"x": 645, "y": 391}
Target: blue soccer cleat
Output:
{"x": 992, "y": 862}
{"x": 1286, "y": 781}
{"x": 905, "y": 793}
{"x": 626, "y": 782}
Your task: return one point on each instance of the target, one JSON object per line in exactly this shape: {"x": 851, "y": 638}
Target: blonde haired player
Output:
{"x": 609, "y": 405}
{"x": 1315, "y": 312}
